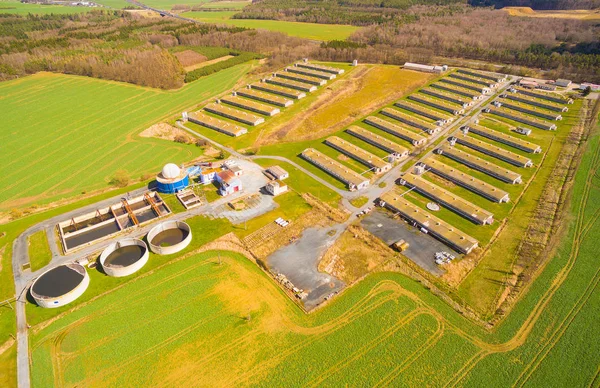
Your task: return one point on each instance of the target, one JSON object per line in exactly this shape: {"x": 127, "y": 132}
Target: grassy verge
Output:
{"x": 39, "y": 250}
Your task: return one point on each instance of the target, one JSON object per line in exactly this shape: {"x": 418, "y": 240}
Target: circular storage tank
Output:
{"x": 169, "y": 237}
{"x": 124, "y": 257}
{"x": 60, "y": 286}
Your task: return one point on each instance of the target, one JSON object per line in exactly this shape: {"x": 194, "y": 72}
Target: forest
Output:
{"x": 113, "y": 45}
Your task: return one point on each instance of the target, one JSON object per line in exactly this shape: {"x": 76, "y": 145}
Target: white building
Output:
{"x": 276, "y": 187}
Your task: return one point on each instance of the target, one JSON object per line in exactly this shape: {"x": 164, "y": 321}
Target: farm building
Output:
{"x": 420, "y": 98}
{"x": 288, "y": 83}
{"x": 396, "y": 130}
{"x": 527, "y": 84}
{"x": 413, "y": 121}
{"x": 465, "y": 180}
{"x": 60, "y": 285}
{"x": 352, "y": 179}
{"x": 474, "y": 80}
{"x": 536, "y": 102}
{"x": 315, "y": 66}
{"x": 276, "y": 187}
{"x": 265, "y": 97}
{"x": 229, "y": 183}
{"x": 546, "y": 86}
{"x": 172, "y": 179}
{"x": 531, "y": 111}
{"x": 479, "y": 164}
{"x": 467, "y": 85}
{"x": 396, "y": 150}
{"x": 473, "y": 95}
{"x": 208, "y": 175}
{"x": 250, "y": 105}
{"x": 313, "y": 73}
{"x": 280, "y": 90}
{"x": 300, "y": 78}
{"x": 503, "y": 138}
{"x": 545, "y": 96}
{"x": 277, "y": 173}
{"x": 357, "y": 153}
{"x": 523, "y": 119}
{"x": 563, "y": 83}
{"x": 491, "y": 76}
{"x": 216, "y": 124}
{"x": 234, "y": 114}
{"x": 438, "y": 228}
{"x": 447, "y": 199}
{"x": 423, "y": 111}
{"x": 593, "y": 87}
{"x": 450, "y": 97}
{"x": 494, "y": 151}
{"x": 425, "y": 68}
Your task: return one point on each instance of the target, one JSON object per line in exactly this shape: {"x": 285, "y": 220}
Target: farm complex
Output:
{"x": 426, "y": 236}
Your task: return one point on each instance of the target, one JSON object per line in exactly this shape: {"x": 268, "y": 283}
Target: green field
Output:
{"x": 195, "y": 320}
{"x": 16, "y": 7}
{"x": 39, "y": 250}
{"x": 314, "y": 31}
{"x": 66, "y": 134}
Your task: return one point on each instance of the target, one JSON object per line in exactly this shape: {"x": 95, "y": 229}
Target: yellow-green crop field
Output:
{"x": 194, "y": 321}
{"x": 314, "y": 31}
{"x": 62, "y": 135}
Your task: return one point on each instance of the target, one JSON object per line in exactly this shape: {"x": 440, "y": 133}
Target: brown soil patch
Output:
{"x": 355, "y": 254}
{"x": 189, "y": 58}
{"x": 207, "y": 63}
{"x": 344, "y": 101}
{"x": 165, "y": 131}
{"x": 143, "y": 13}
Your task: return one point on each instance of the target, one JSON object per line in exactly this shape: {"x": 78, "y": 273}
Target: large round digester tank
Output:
{"x": 124, "y": 257}
{"x": 169, "y": 237}
{"x": 60, "y": 285}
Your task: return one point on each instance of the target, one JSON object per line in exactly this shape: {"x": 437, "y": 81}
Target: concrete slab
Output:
{"x": 299, "y": 260}
{"x": 422, "y": 247}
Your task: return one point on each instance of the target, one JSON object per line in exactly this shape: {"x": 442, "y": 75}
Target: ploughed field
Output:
{"x": 195, "y": 320}
{"x": 66, "y": 134}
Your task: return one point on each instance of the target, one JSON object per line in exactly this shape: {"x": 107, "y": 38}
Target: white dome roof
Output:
{"x": 170, "y": 171}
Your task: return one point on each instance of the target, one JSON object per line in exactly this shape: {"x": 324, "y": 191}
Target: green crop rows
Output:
{"x": 66, "y": 134}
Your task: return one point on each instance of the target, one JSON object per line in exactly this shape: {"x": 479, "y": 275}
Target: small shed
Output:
{"x": 277, "y": 173}
{"x": 236, "y": 170}
{"x": 276, "y": 187}
{"x": 563, "y": 83}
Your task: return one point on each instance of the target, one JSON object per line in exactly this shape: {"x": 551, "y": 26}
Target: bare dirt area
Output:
{"x": 165, "y": 131}
{"x": 207, "y": 63}
{"x": 346, "y": 100}
{"x": 355, "y": 254}
{"x": 189, "y": 58}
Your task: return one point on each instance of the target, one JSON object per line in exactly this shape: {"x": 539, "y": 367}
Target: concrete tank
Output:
{"x": 60, "y": 285}
{"x": 124, "y": 257}
{"x": 169, "y": 237}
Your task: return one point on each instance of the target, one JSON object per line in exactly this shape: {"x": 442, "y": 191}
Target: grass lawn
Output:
{"x": 39, "y": 250}
{"x": 195, "y": 320}
{"x": 67, "y": 134}
{"x": 359, "y": 201}
{"x": 313, "y": 31}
